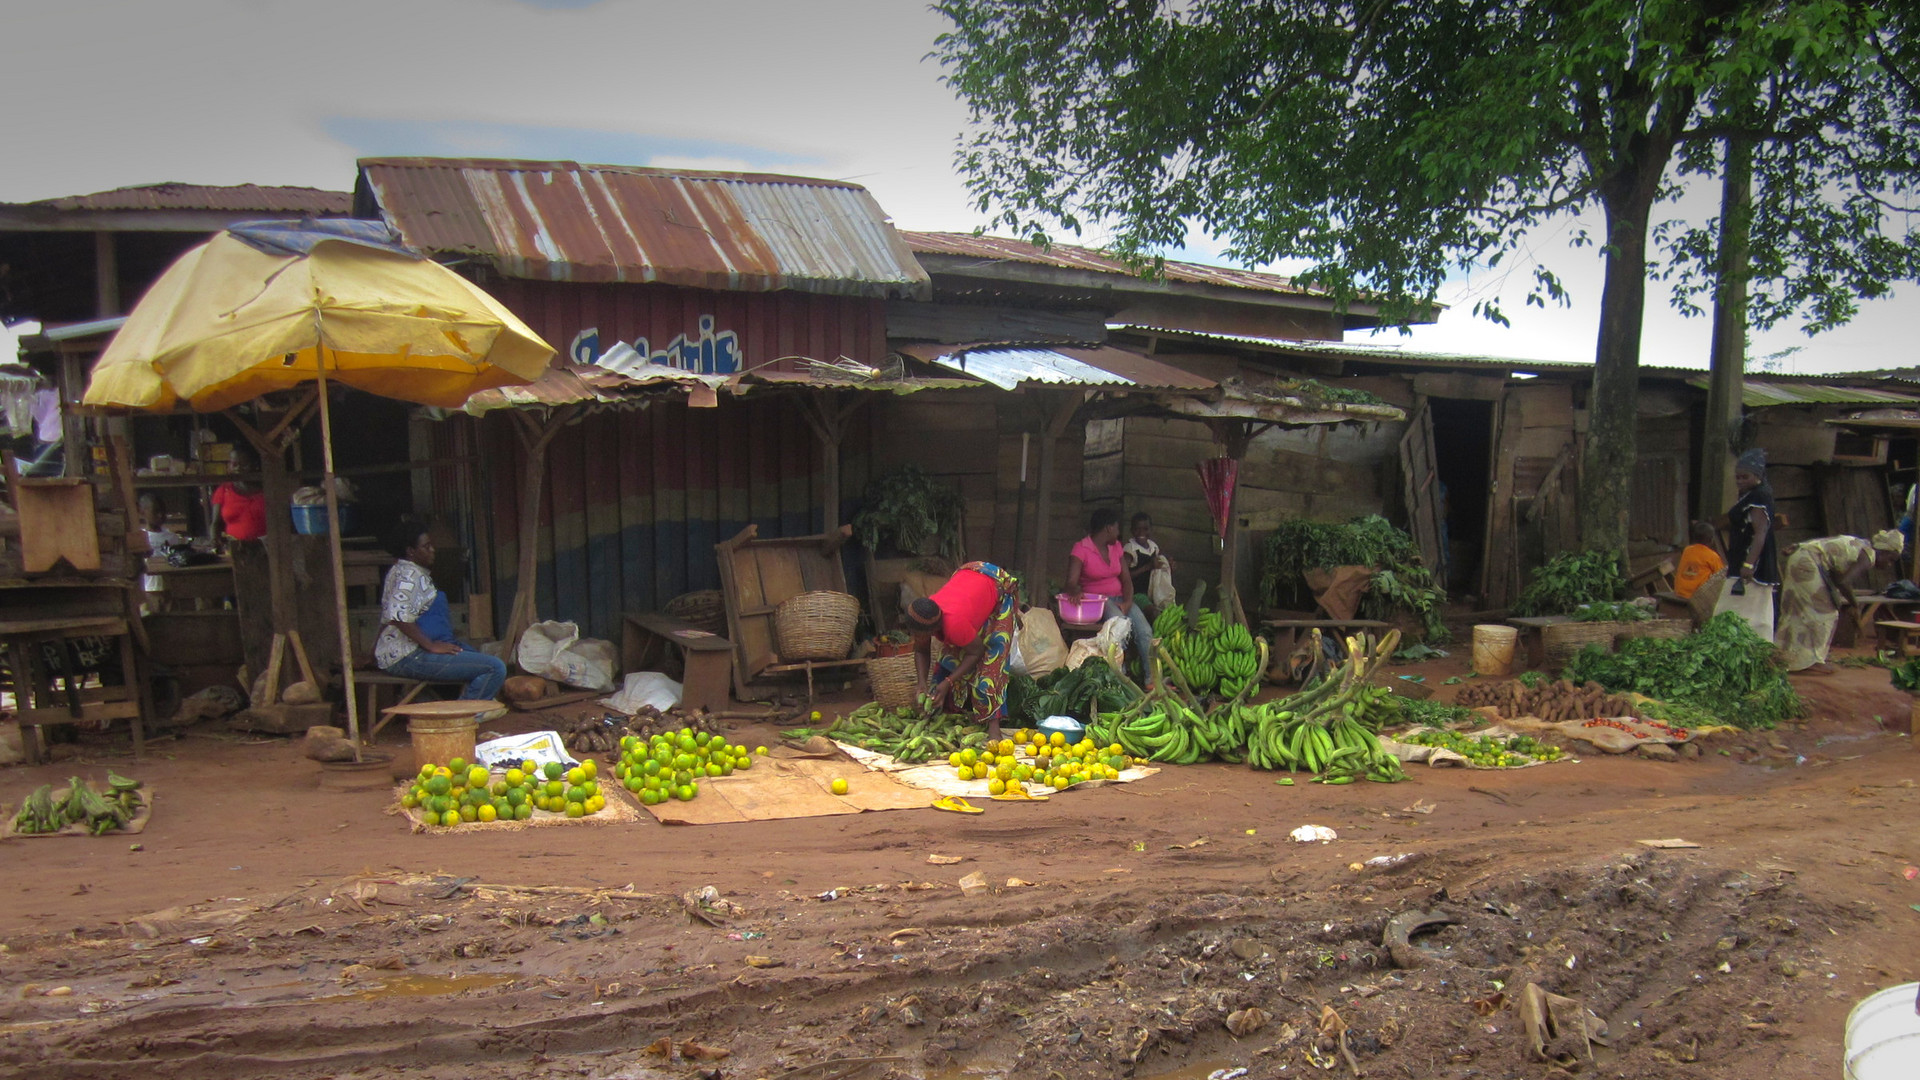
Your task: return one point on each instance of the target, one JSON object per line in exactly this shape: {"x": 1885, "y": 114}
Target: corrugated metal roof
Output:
{"x": 1008, "y": 365}
{"x": 1070, "y": 257}
{"x": 249, "y": 198}
{"x": 574, "y": 384}
{"x": 1760, "y": 393}
{"x": 1341, "y": 350}
{"x": 563, "y": 221}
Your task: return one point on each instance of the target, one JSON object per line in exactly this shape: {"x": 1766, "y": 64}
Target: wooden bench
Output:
{"x": 1897, "y": 633}
{"x": 373, "y": 679}
{"x": 1531, "y": 638}
{"x": 706, "y": 659}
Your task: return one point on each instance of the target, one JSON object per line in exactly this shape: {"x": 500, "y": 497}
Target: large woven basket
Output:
{"x": 1564, "y": 640}
{"x": 1654, "y": 628}
{"x": 895, "y": 681}
{"x": 815, "y": 626}
{"x": 705, "y": 609}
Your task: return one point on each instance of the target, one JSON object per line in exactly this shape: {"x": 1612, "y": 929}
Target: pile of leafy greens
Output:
{"x": 910, "y": 510}
{"x": 1400, "y": 582}
{"x": 1092, "y": 688}
{"x": 1611, "y": 611}
{"x": 1724, "y": 669}
{"x": 1571, "y": 579}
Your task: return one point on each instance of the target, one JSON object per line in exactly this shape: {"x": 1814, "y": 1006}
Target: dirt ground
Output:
{"x": 265, "y": 926}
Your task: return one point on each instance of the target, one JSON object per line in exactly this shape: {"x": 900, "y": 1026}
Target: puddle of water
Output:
{"x": 404, "y": 986}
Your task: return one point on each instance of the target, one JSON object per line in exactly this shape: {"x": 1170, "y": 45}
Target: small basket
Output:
{"x": 1565, "y": 640}
{"x": 705, "y": 610}
{"x": 816, "y": 626}
{"x": 895, "y": 681}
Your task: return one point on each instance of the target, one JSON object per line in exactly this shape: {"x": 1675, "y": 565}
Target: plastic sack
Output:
{"x": 538, "y": 747}
{"x": 1755, "y": 606}
{"x": 645, "y": 689}
{"x": 1041, "y": 647}
{"x": 1110, "y": 644}
{"x": 555, "y": 650}
{"x": 1160, "y": 588}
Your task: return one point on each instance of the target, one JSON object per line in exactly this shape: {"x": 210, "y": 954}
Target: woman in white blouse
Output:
{"x": 416, "y": 639}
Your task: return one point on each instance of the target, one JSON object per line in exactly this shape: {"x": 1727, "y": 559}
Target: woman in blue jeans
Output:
{"x": 416, "y": 640}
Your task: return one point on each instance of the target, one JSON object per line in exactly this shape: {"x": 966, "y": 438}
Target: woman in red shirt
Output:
{"x": 241, "y": 507}
{"x": 972, "y": 615}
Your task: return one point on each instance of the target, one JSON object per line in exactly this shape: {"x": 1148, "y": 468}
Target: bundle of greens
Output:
{"x": 1724, "y": 669}
{"x": 1400, "y": 583}
{"x": 1571, "y": 579}
{"x": 1083, "y": 693}
{"x": 1611, "y": 611}
{"x": 1315, "y": 390}
{"x": 1436, "y": 715}
{"x": 1907, "y": 676}
{"x": 909, "y": 510}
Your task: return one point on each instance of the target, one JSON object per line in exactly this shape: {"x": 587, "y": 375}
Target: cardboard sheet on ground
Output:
{"x": 1441, "y": 757}
{"x": 790, "y": 787}
{"x": 940, "y": 779}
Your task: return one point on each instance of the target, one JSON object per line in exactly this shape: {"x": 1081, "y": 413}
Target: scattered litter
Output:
{"x": 1420, "y": 806}
{"x": 748, "y": 936}
{"x": 1247, "y": 1021}
{"x": 1190, "y": 845}
{"x": 1310, "y": 834}
{"x": 830, "y": 894}
{"x": 764, "y": 962}
{"x": 1393, "y": 862}
{"x": 945, "y": 860}
{"x": 973, "y": 884}
{"x": 1019, "y": 883}
{"x": 1674, "y": 842}
{"x": 1559, "y": 1029}
{"x": 1227, "y": 1074}
{"x": 1911, "y": 872}
{"x": 1117, "y": 870}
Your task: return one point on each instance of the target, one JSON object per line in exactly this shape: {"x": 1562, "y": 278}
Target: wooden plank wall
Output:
{"x": 1798, "y": 444}
{"x": 1323, "y": 473}
{"x": 1536, "y": 430}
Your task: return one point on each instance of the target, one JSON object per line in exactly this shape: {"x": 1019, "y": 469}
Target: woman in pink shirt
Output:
{"x": 1098, "y": 567}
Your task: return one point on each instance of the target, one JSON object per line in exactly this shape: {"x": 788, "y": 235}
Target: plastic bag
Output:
{"x": 642, "y": 689}
{"x": 1755, "y": 606}
{"x": 555, "y": 650}
{"x": 1160, "y": 587}
{"x": 1110, "y": 644}
{"x": 1041, "y": 646}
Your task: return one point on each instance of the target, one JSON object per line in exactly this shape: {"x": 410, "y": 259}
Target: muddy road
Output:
{"x": 267, "y": 927}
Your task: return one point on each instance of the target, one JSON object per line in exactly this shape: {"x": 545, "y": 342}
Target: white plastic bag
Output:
{"x": 1160, "y": 588}
{"x": 555, "y": 650}
{"x": 1110, "y": 644}
{"x": 1755, "y": 606}
{"x": 644, "y": 689}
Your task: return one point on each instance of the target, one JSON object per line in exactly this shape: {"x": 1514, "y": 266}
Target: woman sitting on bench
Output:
{"x": 416, "y": 638}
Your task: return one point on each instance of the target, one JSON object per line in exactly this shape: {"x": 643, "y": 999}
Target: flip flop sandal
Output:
{"x": 956, "y": 805}
{"x": 1016, "y": 796}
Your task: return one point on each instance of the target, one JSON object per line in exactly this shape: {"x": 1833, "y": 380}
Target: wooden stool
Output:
{"x": 706, "y": 659}
{"x": 1898, "y": 634}
{"x": 374, "y": 679}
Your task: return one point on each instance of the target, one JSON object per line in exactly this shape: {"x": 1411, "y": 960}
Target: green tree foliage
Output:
{"x": 1394, "y": 143}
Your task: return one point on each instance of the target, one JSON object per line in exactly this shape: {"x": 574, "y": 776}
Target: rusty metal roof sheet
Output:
{"x": 592, "y": 385}
{"x": 1760, "y": 393}
{"x": 246, "y": 198}
{"x": 563, "y": 221}
{"x": 1010, "y": 364}
{"x": 1070, "y": 257}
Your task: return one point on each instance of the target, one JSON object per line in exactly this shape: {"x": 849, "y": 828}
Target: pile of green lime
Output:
{"x": 458, "y": 793}
{"x": 670, "y": 765}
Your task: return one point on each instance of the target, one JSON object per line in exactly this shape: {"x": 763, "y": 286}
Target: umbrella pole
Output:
{"x": 339, "y": 562}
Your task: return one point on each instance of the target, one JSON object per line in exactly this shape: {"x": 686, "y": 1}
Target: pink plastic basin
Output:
{"x": 1080, "y": 611}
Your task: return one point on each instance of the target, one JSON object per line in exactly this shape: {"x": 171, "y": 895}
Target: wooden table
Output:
{"x": 1870, "y": 608}
{"x": 206, "y": 586}
{"x": 707, "y": 659}
{"x": 32, "y": 616}
{"x": 1531, "y": 638}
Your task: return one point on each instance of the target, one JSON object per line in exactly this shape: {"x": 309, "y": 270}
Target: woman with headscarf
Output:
{"x": 972, "y": 615}
{"x": 1820, "y": 579}
{"x": 1752, "y": 552}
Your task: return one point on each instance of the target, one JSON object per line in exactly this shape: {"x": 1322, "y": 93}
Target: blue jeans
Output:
{"x": 483, "y": 674}
{"x": 1142, "y": 637}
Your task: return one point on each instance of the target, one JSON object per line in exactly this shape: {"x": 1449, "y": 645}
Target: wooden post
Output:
{"x": 333, "y": 549}
{"x": 1061, "y": 415}
{"x": 534, "y": 439}
{"x": 827, "y": 415}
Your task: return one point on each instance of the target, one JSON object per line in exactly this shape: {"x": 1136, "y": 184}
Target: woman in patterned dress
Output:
{"x": 1820, "y": 578}
{"x": 972, "y": 615}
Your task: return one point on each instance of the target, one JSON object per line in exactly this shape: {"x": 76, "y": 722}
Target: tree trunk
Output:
{"x": 1606, "y": 479}
{"x": 1726, "y": 385}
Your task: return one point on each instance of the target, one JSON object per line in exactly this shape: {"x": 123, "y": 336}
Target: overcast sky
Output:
{"x": 97, "y": 94}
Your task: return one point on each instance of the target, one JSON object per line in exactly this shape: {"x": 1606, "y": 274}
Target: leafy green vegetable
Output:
{"x": 1312, "y": 390}
{"x": 1093, "y": 687}
{"x": 1675, "y": 714}
{"x": 1434, "y": 714}
{"x": 1724, "y": 669}
{"x": 910, "y": 510}
{"x": 1417, "y": 652}
{"x": 1907, "y": 676}
{"x": 1571, "y": 579}
{"x": 1611, "y": 611}
{"x": 1532, "y": 680}
{"x": 1400, "y": 582}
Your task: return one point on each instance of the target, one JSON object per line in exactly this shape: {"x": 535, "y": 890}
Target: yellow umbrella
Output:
{"x": 267, "y": 306}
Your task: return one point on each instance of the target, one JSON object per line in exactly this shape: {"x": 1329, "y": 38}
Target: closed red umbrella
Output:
{"x": 1217, "y": 477}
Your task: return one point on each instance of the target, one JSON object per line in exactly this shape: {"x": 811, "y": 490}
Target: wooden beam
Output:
{"x": 535, "y": 436}
{"x": 1064, "y": 405}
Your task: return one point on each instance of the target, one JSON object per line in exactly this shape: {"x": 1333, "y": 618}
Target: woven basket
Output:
{"x": 1564, "y": 640}
{"x": 1654, "y": 628}
{"x": 815, "y": 626}
{"x": 895, "y": 681}
{"x": 705, "y": 610}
